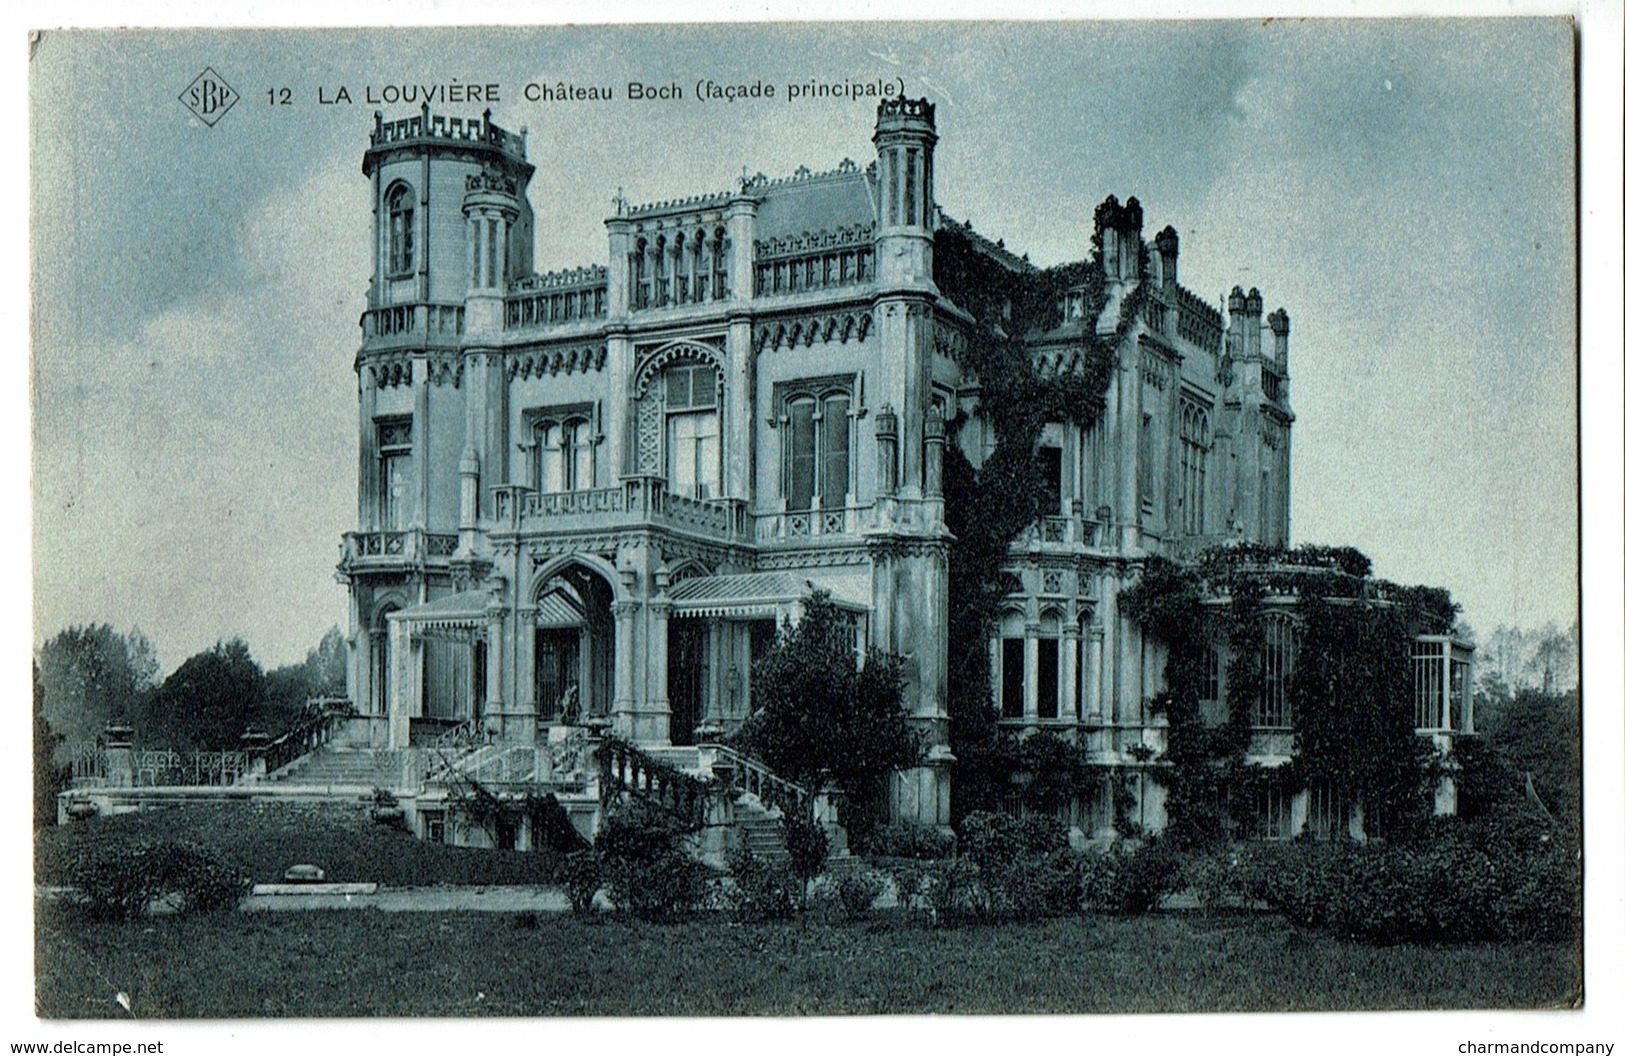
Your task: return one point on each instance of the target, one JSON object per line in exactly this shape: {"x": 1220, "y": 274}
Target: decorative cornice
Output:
{"x": 805, "y": 330}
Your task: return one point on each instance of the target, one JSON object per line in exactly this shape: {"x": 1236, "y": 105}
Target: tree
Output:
{"x": 321, "y": 675}
{"x": 48, "y": 775}
{"x": 1538, "y": 734}
{"x": 820, "y": 714}
{"x": 91, "y": 675}
{"x": 209, "y": 701}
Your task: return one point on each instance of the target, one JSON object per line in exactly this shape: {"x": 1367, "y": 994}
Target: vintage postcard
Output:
{"x": 807, "y": 519}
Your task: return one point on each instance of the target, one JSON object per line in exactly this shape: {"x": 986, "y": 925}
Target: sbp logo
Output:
{"x": 209, "y": 96}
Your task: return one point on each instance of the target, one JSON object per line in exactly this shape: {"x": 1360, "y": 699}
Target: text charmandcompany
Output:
{"x": 664, "y": 90}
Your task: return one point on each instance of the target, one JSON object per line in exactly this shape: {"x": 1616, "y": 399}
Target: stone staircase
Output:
{"x": 346, "y": 768}
{"x": 759, "y": 831}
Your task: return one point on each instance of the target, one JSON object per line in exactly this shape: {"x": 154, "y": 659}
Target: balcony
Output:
{"x": 392, "y": 551}
{"x": 635, "y": 502}
{"x": 412, "y": 325}
{"x": 1066, "y": 531}
{"x": 808, "y": 525}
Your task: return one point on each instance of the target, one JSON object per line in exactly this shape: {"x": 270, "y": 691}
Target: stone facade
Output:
{"x": 591, "y": 494}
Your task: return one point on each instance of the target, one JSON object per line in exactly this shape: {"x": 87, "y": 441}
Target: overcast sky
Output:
{"x": 1405, "y": 191}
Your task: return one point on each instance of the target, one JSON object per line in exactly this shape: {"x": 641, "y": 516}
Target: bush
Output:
{"x": 765, "y": 890}
{"x": 1458, "y": 884}
{"x": 858, "y": 891}
{"x": 121, "y": 882}
{"x": 996, "y": 840}
{"x": 910, "y": 840}
{"x": 582, "y": 875}
{"x": 1035, "y": 886}
{"x": 646, "y": 867}
{"x": 665, "y": 888}
{"x": 808, "y": 845}
{"x": 1131, "y": 883}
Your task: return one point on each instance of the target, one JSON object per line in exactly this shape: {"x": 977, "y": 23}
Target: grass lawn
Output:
{"x": 366, "y": 963}
{"x": 265, "y": 838}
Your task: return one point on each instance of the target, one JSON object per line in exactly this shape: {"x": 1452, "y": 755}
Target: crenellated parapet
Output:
{"x": 438, "y": 127}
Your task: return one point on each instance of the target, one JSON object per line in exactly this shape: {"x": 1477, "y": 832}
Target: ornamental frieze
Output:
{"x": 804, "y": 332}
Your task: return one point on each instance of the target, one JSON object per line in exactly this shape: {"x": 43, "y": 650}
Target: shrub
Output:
{"x": 953, "y": 892}
{"x": 808, "y": 845}
{"x": 858, "y": 892}
{"x": 765, "y": 890}
{"x": 1458, "y": 884}
{"x": 123, "y": 881}
{"x": 582, "y": 874}
{"x": 1035, "y": 886}
{"x": 665, "y": 888}
{"x": 995, "y": 840}
{"x": 646, "y": 869}
{"x": 1132, "y": 883}
{"x": 910, "y": 840}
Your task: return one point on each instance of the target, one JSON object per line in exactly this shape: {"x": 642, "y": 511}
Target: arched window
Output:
{"x": 1194, "y": 444}
{"x": 1274, "y": 706}
{"x": 693, "y": 431}
{"x": 564, "y": 454}
{"x": 818, "y": 448}
{"x": 400, "y": 210}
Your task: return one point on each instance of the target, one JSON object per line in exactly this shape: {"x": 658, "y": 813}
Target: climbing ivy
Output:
{"x": 987, "y": 507}
{"x": 1350, "y": 691}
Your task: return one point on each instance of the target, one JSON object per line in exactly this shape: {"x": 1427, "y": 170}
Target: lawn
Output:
{"x": 366, "y": 963}
{"x": 265, "y": 838}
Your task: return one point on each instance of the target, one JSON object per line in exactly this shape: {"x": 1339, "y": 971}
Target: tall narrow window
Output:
{"x": 1194, "y": 444}
{"x": 1013, "y": 677}
{"x": 1147, "y": 466}
{"x": 719, "y": 266}
{"x": 1274, "y": 705}
{"x": 397, "y": 476}
{"x": 1049, "y": 678}
{"x": 693, "y": 432}
{"x": 400, "y": 229}
{"x": 817, "y": 445}
{"x": 1049, "y": 467}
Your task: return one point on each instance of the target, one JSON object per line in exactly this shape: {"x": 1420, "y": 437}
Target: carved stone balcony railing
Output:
{"x": 557, "y": 298}
{"x": 412, "y": 324}
{"x": 793, "y": 525}
{"x": 636, "y": 501}
{"x": 1058, "y": 531}
{"x": 385, "y": 550}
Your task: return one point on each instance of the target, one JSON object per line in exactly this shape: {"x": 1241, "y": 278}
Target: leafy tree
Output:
{"x": 209, "y": 701}
{"x": 91, "y": 675}
{"x": 49, "y": 779}
{"x": 1538, "y": 734}
{"x": 820, "y": 714}
{"x": 321, "y": 675}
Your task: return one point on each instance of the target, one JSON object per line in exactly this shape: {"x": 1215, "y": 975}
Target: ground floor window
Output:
{"x": 434, "y": 826}
{"x": 1272, "y": 812}
{"x": 1328, "y": 813}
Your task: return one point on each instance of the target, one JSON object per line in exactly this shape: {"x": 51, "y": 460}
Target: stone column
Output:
{"x": 1069, "y": 672}
{"x": 626, "y": 701}
{"x": 1029, "y": 690}
{"x": 1096, "y": 682}
{"x": 739, "y": 398}
{"x": 404, "y": 664}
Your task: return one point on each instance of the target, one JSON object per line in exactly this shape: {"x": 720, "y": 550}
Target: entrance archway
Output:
{"x": 573, "y": 646}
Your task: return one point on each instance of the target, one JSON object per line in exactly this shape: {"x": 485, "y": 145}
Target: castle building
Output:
{"x": 592, "y": 494}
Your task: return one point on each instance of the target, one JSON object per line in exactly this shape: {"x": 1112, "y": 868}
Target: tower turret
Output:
{"x": 905, "y": 136}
